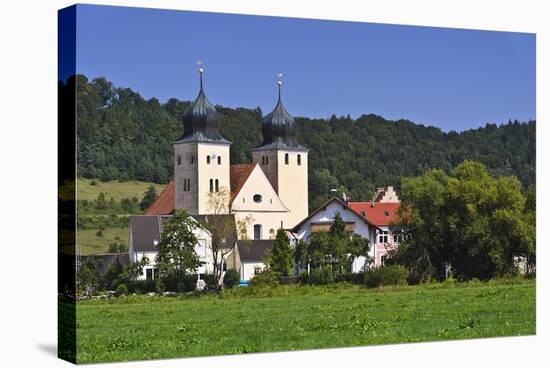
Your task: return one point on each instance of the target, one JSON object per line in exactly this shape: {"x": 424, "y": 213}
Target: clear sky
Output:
{"x": 450, "y": 78}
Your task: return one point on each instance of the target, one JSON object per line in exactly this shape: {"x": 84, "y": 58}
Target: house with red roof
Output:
{"x": 381, "y": 211}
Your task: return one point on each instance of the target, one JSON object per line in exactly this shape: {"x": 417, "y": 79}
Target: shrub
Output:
{"x": 231, "y": 278}
{"x": 303, "y": 277}
{"x": 321, "y": 276}
{"x": 386, "y": 275}
{"x": 121, "y": 289}
{"x": 210, "y": 282}
{"x": 265, "y": 278}
{"x": 142, "y": 286}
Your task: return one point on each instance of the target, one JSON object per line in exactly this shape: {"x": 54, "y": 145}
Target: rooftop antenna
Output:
{"x": 279, "y": 83}
{"x": 201, "y": 70}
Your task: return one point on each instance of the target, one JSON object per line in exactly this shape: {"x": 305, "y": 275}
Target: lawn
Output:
{"x": 299, "y": 317}
{"x": 115, "y": 189}
{"x": 90, "y": 243}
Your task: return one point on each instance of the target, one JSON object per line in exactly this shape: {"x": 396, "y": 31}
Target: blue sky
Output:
{"x": 450, "y": 78}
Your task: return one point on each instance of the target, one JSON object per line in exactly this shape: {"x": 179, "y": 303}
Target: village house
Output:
{"x": 381, "y": 211}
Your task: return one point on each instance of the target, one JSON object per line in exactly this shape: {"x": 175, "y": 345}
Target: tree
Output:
{"x": 88, "y": 277}
{"x": 470, "y": 220}
{"x": 281, "y": 260}
{"x": 335, "y": 249}
{"x": 176, "y": 249}
{"x": 113, "y": 273}
{"x": 221, "y": 226}
{"x": 149, "y": 196}
{"x": 135, "y": 269}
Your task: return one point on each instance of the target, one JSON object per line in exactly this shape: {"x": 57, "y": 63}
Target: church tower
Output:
{"x": 284, "y": 161}
{"x": 201, "y": 158}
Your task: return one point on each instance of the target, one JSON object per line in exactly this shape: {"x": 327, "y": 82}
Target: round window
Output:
{"x": 257, "y": 198}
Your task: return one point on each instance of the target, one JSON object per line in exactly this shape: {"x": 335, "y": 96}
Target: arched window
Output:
{"x": 211, "y": 185}
{"x": 286, "y": 158}
{"x": 217, "y": 185}
{"x": 263, "y": 160}
{"x": 188, "y": 184}
{"x": 192, "y": 159}
{"x": 208, "y": 159}
{"x": 257, "y": 232}
{"x": 179, "y": 160}
{"x": 299, "y": 159}
{"x": 267, "y": 160}
{"x": 219, "y": 160}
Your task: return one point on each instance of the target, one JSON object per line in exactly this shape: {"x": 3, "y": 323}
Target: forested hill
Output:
{"x": 123, "y": 136}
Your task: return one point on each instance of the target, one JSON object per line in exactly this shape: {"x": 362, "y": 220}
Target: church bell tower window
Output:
{"x": 286, "y": 158}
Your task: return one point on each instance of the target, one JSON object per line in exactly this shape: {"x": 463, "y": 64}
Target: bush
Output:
{"x": 210, "y": 282}
{"x": 321, "y": 276}
{"x": 141, "y": 286}
{"x": 231, "y": 278}
{"x": 303, "y": 277}
{"x": 265, "y": 278}
{"x": 386, "y": 275}
{"x": 121, "y": 289}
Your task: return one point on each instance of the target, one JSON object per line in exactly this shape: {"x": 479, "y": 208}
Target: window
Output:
{"x": 208, "y": 159}
{"x": 263, "y": 160}
{"x": 396, "y": 238}
{"x": 382, "y": 260}
{"x": 257, "y": 232}
{"x": 243, "y": 199}
{"x": 188, "y": 184}
{"x": 192, "y": 159}
{"x": 179, "y": 160}
{"x": 217, "y": 185}
{"x": 211, "y": 185}
{"x": 257, "y": 270}
{"x": 299, "y": 159}
{"x": 149, "y": 273}
{"x": 286, "y": 158}
{"x": 386, "y": 213}
{"x": 257, "y": 198}
{"x": 267, "y": 160}
{"x": 363, "y": 214}
{"x": 383, "y": 237}
{"x": 271, "y": 233}
{"x": 185, "y": 185}
{"x": 219, "y": 160}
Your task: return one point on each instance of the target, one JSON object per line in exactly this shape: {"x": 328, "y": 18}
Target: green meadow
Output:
{"x": 113, "y": 189}
{"x": 248, "y": 320}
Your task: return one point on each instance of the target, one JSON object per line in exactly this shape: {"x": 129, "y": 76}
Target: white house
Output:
{"x": 145, "y": 235}
{"x": 322, "y": 218}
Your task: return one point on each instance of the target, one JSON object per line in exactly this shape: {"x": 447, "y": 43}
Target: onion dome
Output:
{"x": 279, "y": 129}
{"x": 200, "y": 120}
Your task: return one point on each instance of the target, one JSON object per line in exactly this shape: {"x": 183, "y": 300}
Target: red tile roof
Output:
{"x": 165, "y": 203}
{"x": 381, "y": 214}
{"x": 238, "y": 175}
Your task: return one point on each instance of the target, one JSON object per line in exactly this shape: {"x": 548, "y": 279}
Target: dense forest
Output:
{"x": 122, "y": 136}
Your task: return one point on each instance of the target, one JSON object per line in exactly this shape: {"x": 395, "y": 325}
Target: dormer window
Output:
{"x": 386, "y": 213}
{"x": 257, "y": 198}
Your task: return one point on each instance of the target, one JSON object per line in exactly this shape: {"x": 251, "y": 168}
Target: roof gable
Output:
{"x": 257, "y": 183}
{"x": 325, "y": 205}
{"x": 238, "y": 174}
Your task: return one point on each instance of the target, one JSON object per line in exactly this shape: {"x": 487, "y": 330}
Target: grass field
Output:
{"x": 299, "y": 317}
{"x": 92, "y": 244}
{"x": 114, "y": 189}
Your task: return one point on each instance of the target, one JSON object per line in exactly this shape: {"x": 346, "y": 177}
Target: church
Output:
{"x": 265, "y": 195}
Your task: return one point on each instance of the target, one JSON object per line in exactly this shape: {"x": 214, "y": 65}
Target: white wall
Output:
{"x": 327, "y": 215}
{"x": 247, "y": 269}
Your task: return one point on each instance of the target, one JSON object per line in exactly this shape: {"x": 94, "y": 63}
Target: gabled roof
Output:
{"x": 165, "y": 203}
{"x": 379, "y": 213}
{"x": 254, "y": 250}
{"x": 324, "y": 206}
{"x": 238, "y": 174}
{"x": 145, "y": 232}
